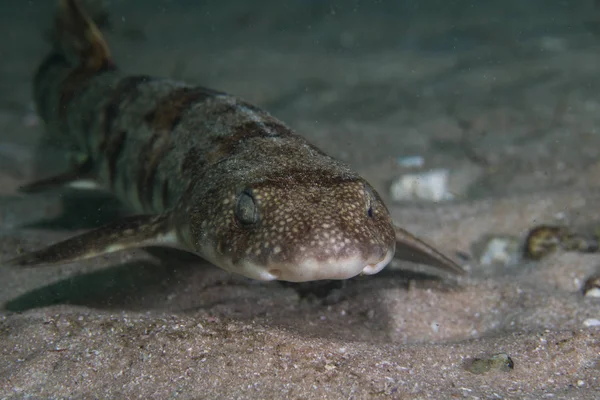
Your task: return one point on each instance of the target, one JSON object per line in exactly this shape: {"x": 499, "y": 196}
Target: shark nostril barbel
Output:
{"x": 374, "y": 267}
{"x": 276, "y": 273}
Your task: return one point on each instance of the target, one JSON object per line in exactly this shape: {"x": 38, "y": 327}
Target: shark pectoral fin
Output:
{"x": 412, "y": 249}
{"x": 78, "y": 176}
{"x": 131, "y": 232}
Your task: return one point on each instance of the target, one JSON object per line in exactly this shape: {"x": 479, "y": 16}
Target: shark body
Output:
{"x": 206, "y": 172}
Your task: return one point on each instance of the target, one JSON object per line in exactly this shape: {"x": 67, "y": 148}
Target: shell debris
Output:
{"x": 430, "y": 185}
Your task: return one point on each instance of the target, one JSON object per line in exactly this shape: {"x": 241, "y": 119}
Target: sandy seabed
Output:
{"x": 509, "y": 108}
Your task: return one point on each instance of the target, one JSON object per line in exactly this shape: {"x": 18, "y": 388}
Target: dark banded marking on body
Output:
{"x": 193, "y": 160}
{"x": 111, "y": 150}
{"x": 227, "y": 145}
{"x": 151, "y": 155}
{"x": 112, "y": 140}
{"x": 164, "y": 194}
{"x": 170, "y": 109}
{"x": 305, "y": 177}
{"x": 162, "y": 120}
{"x": 224, "y": 111}
{"x": 52, "y": 62}
{"x": 125, "y": 91}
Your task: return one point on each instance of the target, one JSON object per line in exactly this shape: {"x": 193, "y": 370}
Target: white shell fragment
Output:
{"x": 591, "y": 322}
{"x": 591, "y": 287}
{"x": 430, "y": 185}
{"x": 594, "y": 292}
{"x": 499, "y": 250}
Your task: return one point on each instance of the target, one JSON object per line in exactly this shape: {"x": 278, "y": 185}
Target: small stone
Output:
{"x": 591, "y": 287}
{"x": 498, "y": 250}
{"x": 431, "y": 185}
{"x": 496, "y": 362}
{"x": 544, "y": 239}
{"x": 329, "y": 367}
{"x": 591, "y": 322}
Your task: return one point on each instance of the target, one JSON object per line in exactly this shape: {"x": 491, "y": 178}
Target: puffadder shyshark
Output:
{"x": 206, "y": 172}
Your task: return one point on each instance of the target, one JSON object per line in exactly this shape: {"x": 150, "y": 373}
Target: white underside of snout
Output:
{"x": 306, "y": 270}
{"x": 313, "y": 270}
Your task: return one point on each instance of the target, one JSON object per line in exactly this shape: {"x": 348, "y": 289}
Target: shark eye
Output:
{"x": 246, "y": 211}
{"x": 370, "y": 200}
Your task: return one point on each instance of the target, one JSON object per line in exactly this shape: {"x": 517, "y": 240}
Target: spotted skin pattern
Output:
{"x": 207, "y": 173}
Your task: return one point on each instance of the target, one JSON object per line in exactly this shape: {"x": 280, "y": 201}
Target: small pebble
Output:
{"x": 497, "y": 362}
{"x": 498, "y": 250}
{"x": 329, "y": 367}
{"x": 431, "y": 185}
{"x": 591, "y": 287}
{"x": 544, "y": 239}
{"x": 591, "y": 322}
